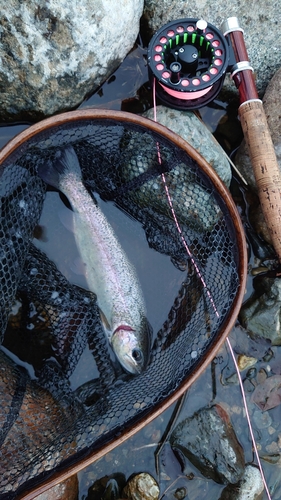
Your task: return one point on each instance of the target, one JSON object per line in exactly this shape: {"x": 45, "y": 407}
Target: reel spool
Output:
{"x": 188, "y": 59}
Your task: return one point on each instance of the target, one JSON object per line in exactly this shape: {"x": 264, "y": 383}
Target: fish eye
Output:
{"x": 137, "y": 355}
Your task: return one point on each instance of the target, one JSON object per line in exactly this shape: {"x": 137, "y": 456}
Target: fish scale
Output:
{"x": 119, "y": 278}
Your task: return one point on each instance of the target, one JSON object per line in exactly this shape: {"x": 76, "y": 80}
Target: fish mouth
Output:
{"x": 124, "y": 327}
{"x": 127, "y": 349}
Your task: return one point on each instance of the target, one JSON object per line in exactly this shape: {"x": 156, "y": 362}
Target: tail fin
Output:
{"x": 66, "y": 162}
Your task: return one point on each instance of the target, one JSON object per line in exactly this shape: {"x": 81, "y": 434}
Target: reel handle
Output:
{"x": 257, "y": 135}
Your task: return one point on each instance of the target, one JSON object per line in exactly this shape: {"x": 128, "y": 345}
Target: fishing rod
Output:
{"x": 187, "y": 62}
{"x": 257, "y": 135}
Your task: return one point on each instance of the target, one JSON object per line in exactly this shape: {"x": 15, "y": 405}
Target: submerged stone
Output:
{"x": 189, "y": 127}
{"x": 261, "y": 314}
{"x": 107, "y": 488}
{"x": 208, "y": 441}
{"x": 250, "y": 487}
{"x": 245, "y": 362}
{"x": 141, "y": 487}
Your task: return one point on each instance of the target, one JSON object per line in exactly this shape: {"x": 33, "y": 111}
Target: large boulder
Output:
{"x": 53, "y": 54}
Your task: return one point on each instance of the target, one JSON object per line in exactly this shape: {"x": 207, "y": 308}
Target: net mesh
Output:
{"x": 45, "y": 423}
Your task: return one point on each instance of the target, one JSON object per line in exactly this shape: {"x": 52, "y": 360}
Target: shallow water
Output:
{"x": 8, "y": 132}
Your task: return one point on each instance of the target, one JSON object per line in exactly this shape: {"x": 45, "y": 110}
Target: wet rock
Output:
{"x": 67, "y": 490}
{"x": 250, "y": 346}
{"x": 262, "y": 19}
{"x": 53, "y": 54}
{"x": 229, "y": 376}
{"x": 267, "y": 394}
{"x": 245, "y": 362}
{"x": 250, "y": 487}
{"x": 194, "y": 204}
{"x": 208, "y": 440}
{"x": 190, "y": 128}
{"x": 262, "y": 376}
{"x": 261, "y": 314}
{"x": 107, "y": 488}
{"x": 180, "y": 494}
{"x": 141, "y": 487}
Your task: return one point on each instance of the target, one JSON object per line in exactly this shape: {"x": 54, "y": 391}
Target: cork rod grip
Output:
{"x": 265, "y": 166}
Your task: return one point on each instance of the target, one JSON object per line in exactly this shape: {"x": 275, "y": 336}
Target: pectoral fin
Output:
{"x": 66, "y": 218}
{"x": 105, "y": 325}
{"x": 78, "y": 266}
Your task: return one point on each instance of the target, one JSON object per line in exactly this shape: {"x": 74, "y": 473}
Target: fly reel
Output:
{"x": 188, "y": 59}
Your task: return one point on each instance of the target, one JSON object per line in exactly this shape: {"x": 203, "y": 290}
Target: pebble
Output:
{"x": 141, "y": 487}
{"x": 261, "y": 376}
{"x": 271, "y": 430}
{"x": 262, "y": 419}
{"x": 245, "y": 362}
{"x": 272, "y": 448}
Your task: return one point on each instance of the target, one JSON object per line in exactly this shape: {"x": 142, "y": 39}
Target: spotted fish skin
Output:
{"x": 108, "y": 271}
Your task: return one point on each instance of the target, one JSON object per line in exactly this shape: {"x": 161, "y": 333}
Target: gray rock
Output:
{"x": 208, "y": 440}
{"x": 250, "y": 487}
{"x": 53, "y": 54}
{"x": 190, "y": 128}
{"x": 261, "y": 27}
{"x": 261, "y": 314}
{"x": 261, "y": 419}
{"x": 194, "y": 204}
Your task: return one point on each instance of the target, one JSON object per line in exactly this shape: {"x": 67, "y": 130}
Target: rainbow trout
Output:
{"x": 108, "y": 272}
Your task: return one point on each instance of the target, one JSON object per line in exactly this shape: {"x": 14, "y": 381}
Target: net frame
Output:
{"x": 67, "y": 469}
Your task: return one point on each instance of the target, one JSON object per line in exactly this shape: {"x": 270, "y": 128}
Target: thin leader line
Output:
{"x": 248, "y": 417}
{"x": 175, "y": 217}
{"x": 213, "y": 304}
